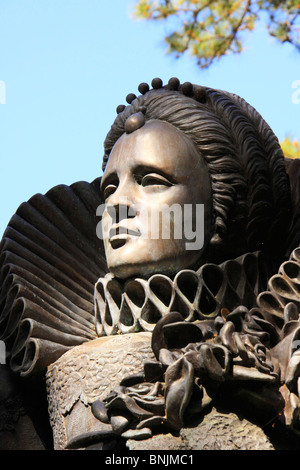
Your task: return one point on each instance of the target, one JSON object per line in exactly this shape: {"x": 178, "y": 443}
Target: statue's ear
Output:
{"x": 218, "y": 229}
{"x": 216, "y": 239}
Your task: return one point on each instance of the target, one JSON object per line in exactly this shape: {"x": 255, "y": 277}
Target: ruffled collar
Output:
{"x": 138, "y": 304}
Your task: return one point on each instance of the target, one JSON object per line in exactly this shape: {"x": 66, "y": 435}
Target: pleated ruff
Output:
{"x": 50, "y": 260}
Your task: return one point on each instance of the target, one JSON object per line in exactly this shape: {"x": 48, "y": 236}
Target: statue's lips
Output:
{"x": 118, "y": 235}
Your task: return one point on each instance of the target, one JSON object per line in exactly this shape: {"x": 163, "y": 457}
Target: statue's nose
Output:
{"x": 120, "y": 211}
{"x": 121, "y": 204}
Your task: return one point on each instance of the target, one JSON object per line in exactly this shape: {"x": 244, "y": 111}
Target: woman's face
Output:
{"x": 155, "y": 187}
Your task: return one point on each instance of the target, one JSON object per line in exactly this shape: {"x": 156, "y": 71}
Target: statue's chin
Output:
{"x": 168, "y": 267}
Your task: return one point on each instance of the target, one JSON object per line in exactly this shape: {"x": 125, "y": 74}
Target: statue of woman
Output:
{"x": 196, "y": 215}
{"x": 188, "y": 146}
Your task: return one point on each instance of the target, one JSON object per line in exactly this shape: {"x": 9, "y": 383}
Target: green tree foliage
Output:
{"x": 210, "y": 29}
{"x": 290, "y": 147}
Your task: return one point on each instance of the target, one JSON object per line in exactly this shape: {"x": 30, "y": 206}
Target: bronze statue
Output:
{"x": 140, "y": 334}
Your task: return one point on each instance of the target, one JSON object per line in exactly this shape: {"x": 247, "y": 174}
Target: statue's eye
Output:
{"x": 109, "y": 190}
{"x": 154, "y": 179}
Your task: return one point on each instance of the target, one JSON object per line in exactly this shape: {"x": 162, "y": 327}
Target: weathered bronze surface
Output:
{"x": 137, "y": 341}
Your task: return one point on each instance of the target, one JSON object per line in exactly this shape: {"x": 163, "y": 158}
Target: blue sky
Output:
{"x": 67, "y": 64}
